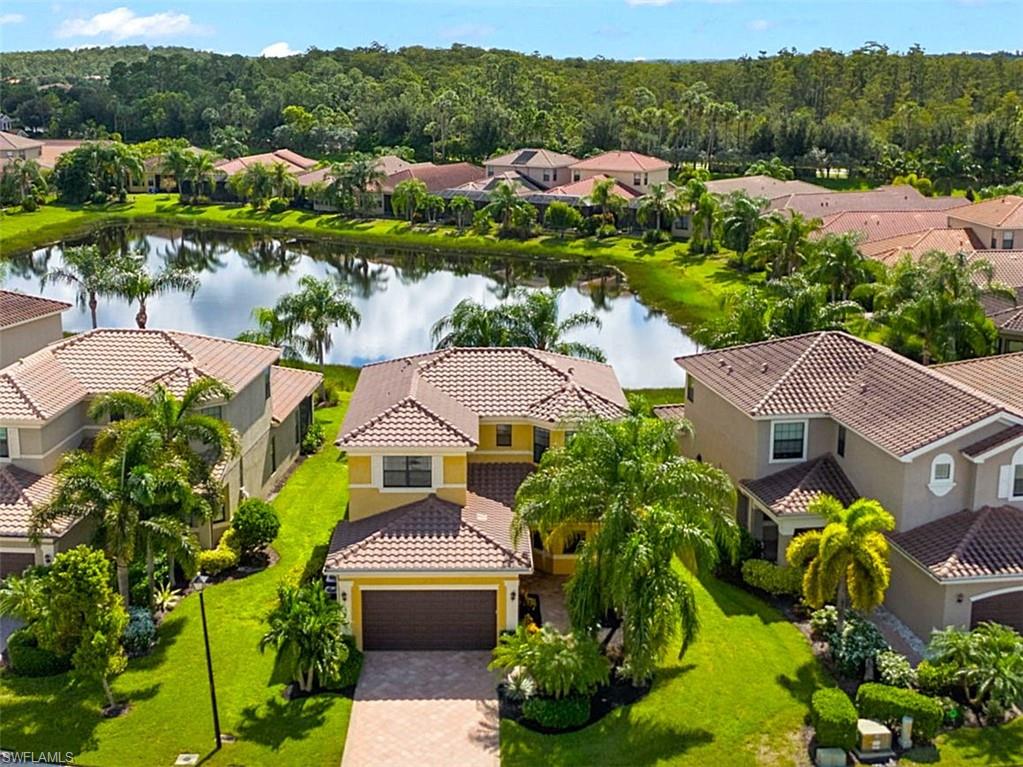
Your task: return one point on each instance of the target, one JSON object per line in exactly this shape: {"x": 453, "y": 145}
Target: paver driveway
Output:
{"x": 422, "y": 709}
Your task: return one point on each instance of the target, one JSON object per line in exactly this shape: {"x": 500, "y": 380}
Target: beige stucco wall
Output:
{"x": 646, "y": 180}
{"x": 991, "y": 237}
{"x": 19, "y": 341}
{"x": 722, "y": 434}
{"x": 556, "y": 176}
{"x": 366, "y": 495}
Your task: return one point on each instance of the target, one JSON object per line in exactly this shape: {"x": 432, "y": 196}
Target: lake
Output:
{"x": 399, "y": 294}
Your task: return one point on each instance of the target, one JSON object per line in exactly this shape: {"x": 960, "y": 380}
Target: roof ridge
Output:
{"x": 440, "y": 420}
{"x": 967, "y": 538}
{"x": 489, "y": 539}
{"x": 21, "y": 393}
{"x": 788, "y": 372}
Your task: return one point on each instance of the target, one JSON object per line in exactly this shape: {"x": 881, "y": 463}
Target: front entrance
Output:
{"x": 1006, "y": 609}
{"x": 457, "y": 619}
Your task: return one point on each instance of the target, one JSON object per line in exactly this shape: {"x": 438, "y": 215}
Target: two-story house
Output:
{"x": 542, "y": 166}
{"x": 27, "y": 323}
{"x": 437, "y": 445}
{"x": 637, "y": 171}
{"x": 44, "y": 402}
{"x": 940, "y": 448}
{"x": 998, "y": 222}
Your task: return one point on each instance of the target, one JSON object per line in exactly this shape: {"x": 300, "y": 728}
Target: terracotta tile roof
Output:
{"x": 886, "y": 398}
{"x": 584, "y": 188}
{"x": 996, "y": 440}
{"x": 20, "y": 492}
{"x": 1007, "y": 264}
{"x": 105, "y": 360}
{"x": 1010, "y": 320}
{"x": 915, "y": 244}
{"x": 791, "y": 490}
{"x": 14, "y": 142}
{"x": 522, "y": 184}
{"x": 999, "y": 377}
{"x": 436, "y": 177}
{"x": 882, "y": 224}
{"x": 969, "y": 544}
{"x": 622, "y": 162}
{"x": 762, "y": 186}
{"x": 288, "y": 387}
{"x": 430, "y": 535}
{"x": 316, "y": 176}
{"x": 532, "y": 158}
{"x": 998, "y": 213}
{"x": 885, "y": 198}
{"x": 436, "y": 399}
{"x": 672, "y": 412}
{"x": 295, "y": 162}
{"x": 53, "y": 149}
{"x": 16, "y": 308}
{"x": 498, "y": 481}
{"x": 389, "y": 164}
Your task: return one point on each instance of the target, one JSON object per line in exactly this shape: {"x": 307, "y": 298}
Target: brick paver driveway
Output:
{"x": 422, "y": 709}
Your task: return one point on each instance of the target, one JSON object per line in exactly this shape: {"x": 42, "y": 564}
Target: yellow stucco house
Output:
{"x": 437, "y": 445}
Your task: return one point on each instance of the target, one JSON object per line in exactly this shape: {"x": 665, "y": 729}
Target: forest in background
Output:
{"x": 872, "y": 110}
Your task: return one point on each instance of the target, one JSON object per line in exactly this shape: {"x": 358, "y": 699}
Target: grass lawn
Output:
{"x": 687, "y": 288}
{"x": 170, "y": 707}
{"x": 970, "y": 747}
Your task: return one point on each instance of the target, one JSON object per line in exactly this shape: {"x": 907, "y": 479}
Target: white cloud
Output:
{"x": 11, "y": 18}
{"x": 278, "y": 51}
{"x": 759, "y": 25}
{"x": 123, "y": 23}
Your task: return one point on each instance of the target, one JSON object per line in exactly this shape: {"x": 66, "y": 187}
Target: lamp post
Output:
{"x": 199, "y": 585}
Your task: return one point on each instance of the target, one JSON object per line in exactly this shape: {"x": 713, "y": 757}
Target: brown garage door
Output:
{"x": 14, "y": 564}
{"x": 429, "y": 620}
{"x": 1003, "y": 608}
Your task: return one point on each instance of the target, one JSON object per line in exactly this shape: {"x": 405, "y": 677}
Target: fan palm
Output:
{"x": 848, "y": 560}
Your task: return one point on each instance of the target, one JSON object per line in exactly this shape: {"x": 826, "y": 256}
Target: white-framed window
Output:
{"x": 408, "y": 471}
{"x": 1010, "y": 478}
{"x": 1007, "y": 239}
{"x": 635, "y": 179}
{"x": 943, "y": 474}
{"x": 546, "y": 175}
{"x": 788, "y": 441}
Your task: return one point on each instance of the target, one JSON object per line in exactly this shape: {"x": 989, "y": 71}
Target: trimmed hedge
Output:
{"x": 834, "y": 718}
{"x": 889, "y": 704}
{"x": 224, "y": 557}
{"x": 558, "y": 713}
{"x": 769, "y": 577}
{"x": 27, "y": 658}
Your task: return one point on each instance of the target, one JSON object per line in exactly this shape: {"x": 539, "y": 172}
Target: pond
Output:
{"x": 399, "y": 294}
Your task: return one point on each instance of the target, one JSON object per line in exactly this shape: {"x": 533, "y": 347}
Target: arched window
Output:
{"x": 1010, "y": 478}
{"x": 943, "y": 470}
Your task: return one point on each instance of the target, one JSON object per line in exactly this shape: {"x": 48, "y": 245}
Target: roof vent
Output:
{"x": 729, "y": 370}
{"x": 863, "y": 388}
{"x": 571, "y": 370}
{"x": 721, "y": 362}
{"x": 763, "y": 368}
{"x": 481, "y": 517}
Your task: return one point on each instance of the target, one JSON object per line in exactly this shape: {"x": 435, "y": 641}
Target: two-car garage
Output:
{"x": 419, "y": 619}
{"x": 1005, "y": 608}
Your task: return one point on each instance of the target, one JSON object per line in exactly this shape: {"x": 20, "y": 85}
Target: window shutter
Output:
{"x": 1005, "y": 477}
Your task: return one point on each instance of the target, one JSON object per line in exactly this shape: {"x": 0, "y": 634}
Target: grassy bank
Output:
{"x": 687, "y": 288}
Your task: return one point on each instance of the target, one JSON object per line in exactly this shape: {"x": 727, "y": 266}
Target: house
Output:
{"x": 27, "y": 323}
{"x": 6, "y": 124}
{"x": 437, "y": 179}
{"x": 891, "y": 250}
{"x": 53, "y": 148}
{"x": 542, "y": 166}
{"x": 997, "y": 222}
{"x": 762, "y": 187}
{"x": 941, "y": 448}
{"x": 480, "y": 190}
{"x": 293, "y": 161}
{"x": 1009, "y": 323}
{"x": 884, "y": 198}
{"x": 386, "y": 165}
{"x": 871, "y": 225}
{"x": 437, "y": 445}
{"x": 14, "y": 147}
{"x": 156, "y": 178}
{"x": 637, "y": 171}
{"x": 44, "y": 399}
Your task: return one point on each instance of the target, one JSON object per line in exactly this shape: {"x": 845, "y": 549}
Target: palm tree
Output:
{"x": 462, "y": 208}
{"x": 319, "y": 305}
{"x": 408, "y": 197}
{"x": 848, "y": 560}
{"x": 274, "y": 329}
{"x": 838, "y": 263}
{"x": 504, "y": 202}
{"x": 137, "y": 283}
{"x": 801, "y": 306}
{"x": 535, "y": 322}
{"x": 741, "y": 218}
{"x": 746, "y": 320}
{"x": 471, "y": 324}
{"x": 647, "y": 508}
{"x": 784, "y": 244}
{"x": 363, "y": 175}
{"x": 656, "y": 205}
{"x": 254, "y": 184}
{"x": 177, "y": 162}
{"x": 282, "y": 183}
{"x": 706, "y": 212}
{"x": 200, "y": 171}
{"x": 604, "y": 196}
{"x": 90, "y": 272}
{"x": 122, "y": 164}
{"x": 27, "y": 177}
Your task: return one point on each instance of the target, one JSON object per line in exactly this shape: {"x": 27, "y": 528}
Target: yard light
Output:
{"x": 199, "y": 584}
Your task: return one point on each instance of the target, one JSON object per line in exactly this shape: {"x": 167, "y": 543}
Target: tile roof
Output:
{"x": 882, "y": 224}
{"x": 671, "y": 412}
{"x": 104, "y": 360}
{"x": 996, "y": 440}
{"x": 532, "y": 158}
{"x": 622, "y": 162}
{"x": 584, "y": 188}
{"x": 791, "y": 490}
{"x": 295, "y": 162}
{"x": 436, "y": 177}
{"x": 522, "y": 184}
{"x": 762, "y": 186}
{"x": 436, "y": 399}
{"x": 53, "y": 149}
{"x": 288, "y": 387}
{"x": 997, "y": 213}
{"x": 886, "y": 398}
{"x": 1007, "y": 264}
{"x": 885, "y": 198}
{"x": 16, "y": 308}
{"x": 999, "y": 376}
{"x": 969, "y": 544}
{"x": 915, "y": 244}
{"x": 20, "y": 493}
{"x": 14, "y": 142}
{"x": 1010, "y": 320}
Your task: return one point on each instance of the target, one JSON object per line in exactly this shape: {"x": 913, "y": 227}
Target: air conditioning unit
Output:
{"x": 873, "y": 741}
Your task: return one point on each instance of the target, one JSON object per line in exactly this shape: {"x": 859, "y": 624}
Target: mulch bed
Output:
{"x": 292, "y": 691}
{"x": 620, "y": 692}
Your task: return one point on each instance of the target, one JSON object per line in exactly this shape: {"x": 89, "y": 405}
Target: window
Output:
{"x": 504, "y": 435}
{"x": 408, "y": 471}
{"x": 216, "y": 411}
{"x": 546, "y": 175}
{"x": 490, "y": 172}
{"x": 1007, "y": 240}
{"x": 1017, "y": 481}
{"x": 635, "y": 179}
{"x": 788, "y": 440}
{"x": 541, "y": 441}
{"x": 115, "y": 415}
{"x": 273, "y": 453}
{"x": 555, "y": 174}
{"x": 5, "y": 444}
{"x": 682, "y": 222}
{"x": 841, "y": 441}
{"x": 646, "y": 179}
{"x": 575, "y": 176}
{"x": 942, "y": 474}
{"x": 689, "y": 389}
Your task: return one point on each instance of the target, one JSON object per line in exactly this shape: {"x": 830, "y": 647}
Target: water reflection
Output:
{"x": 400, "y": 294}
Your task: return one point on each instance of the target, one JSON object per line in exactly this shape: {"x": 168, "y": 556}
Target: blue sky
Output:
{"x": 623, "y": 29}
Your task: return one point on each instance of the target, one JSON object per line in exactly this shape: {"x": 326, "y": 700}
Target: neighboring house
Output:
{"x": 157, "y": 179}
{"x": 882, "y": 224}
{"x": 387, "y": 165}
{"x": 763, "y": 187}
{"x": 998, "y": 222}
{"x": 54, "y": 148}
{"x": 437, "y": 445}
{"x": 27, "y": 323}
{"x": 544, "y": 167}
{"x": 295, "y": 163}
{"x": 437, "y": 179}
{"x": 636, "y": 171}
{"x": 5, "y": 123}
{"x": 884, "y": 198}
{"x": 892, "y": 249}
{"x": 940, "y": 448}
{"x": 44, "y": 399}
{"x": 14, "y": 147}
{"x": 1010, "y": 329}
{"x": 479, "y": 191}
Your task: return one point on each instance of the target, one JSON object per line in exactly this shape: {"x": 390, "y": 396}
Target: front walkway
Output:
{"x": 424, "y": 709}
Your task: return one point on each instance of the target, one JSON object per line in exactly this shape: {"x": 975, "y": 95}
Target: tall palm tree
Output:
{"x": 848, "y": 560}
{"x": 742, "y": 217}
{"x": 408, "y": 197}
{"x": 462, "y": 208}
{"x": 604, "y": 196}
{"x": 784, "y": 245}
{"x": 176, "y": 162}
{"x": 363, "y": 177}
{"x": 471, "y": 324}
{"x": 274, "y": 329}
{"x": 137, "y": 284}
{"x": 802, "y": 306}
{"x": 200, "y": 171}
{"x": 319, "y": 306}
{"x": 706, "y": 215}
{"x": 255, "y": 184}
{"x": 27, "y": 177}
{"x": 647, "y": 508}
{"x": 282, "y": 183}
{"x": 656, "y": 205}
{"x": 504, "y": 202}
{"x": 122, "y": 165}
{"x": 535, "y": 321}
{"x": 838, "y": 263}
{"x": 90, "y": 272}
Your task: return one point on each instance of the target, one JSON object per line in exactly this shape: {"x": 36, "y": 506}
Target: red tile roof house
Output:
{"x": 542, "y": 166}
{"x": 27, "y": 323}
{"x": 295, "y": 163}
{"x": 437, "y": 445}
{"x": 941, "y": 448}
{"x": 437, "y": 178}
{"x": 45, "y": 395}
{"x": 998, "y": 222}
{"x": 636, "y": 171}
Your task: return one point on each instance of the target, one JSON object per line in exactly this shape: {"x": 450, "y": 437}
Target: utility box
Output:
{"x": 873, "y": 741}
{"x": 830, "y": 757}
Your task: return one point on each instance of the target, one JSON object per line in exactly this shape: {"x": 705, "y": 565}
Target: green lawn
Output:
{"x": 687, "y": 288}
{"x": 168, "y": 690}
{"x": 975, "y": 747}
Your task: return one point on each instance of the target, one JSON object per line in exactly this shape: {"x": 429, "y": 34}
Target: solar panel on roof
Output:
{"x": 524, "y": 157}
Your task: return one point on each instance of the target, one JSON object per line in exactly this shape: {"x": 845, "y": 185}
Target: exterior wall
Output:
{"x": 521, "y": 450}
{"x": 30, "y": 153}
{"x": 875, "y": 474}
{"x": 367, "y": 495}
{"x": 721, "y": 433}
{"x": 19, "y": 341}
{"x": 40, "y": 449}
{"x": 985, "y": 489}
{"x": 991, "y": 237}
{"x": 47, "y": 548}
{"x": 555, "y": 176}
{"x": 646, "y": 180}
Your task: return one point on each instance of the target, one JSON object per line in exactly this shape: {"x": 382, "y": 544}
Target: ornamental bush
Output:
{"x": 558, "y": 713}
{"x": 278, "y": 204}
{"x": 888, "y": 705}
{"x": 859, "y": 642}
{"x": 140, "y": 633}
{"x": 834, "y": 718}
{"x": 351, "y": 668}
{"x": 937, "y": 679}
{"x": 27, "y": 658}
{"x": 562, "y": 665}
{"x": 823, "y": 622}
{"x": 255, "y": 524}
{"x": 769, "y": 577}
{"x": 225, "y": 556}
{"x": 314, "y": 438}
{"x": 895, "y": 669}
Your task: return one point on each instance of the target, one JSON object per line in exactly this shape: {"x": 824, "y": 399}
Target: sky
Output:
{"x": 620, "y": 29}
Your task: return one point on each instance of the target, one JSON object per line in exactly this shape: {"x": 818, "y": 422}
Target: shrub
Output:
{"x": 889, "y": 704}
{"x": 654, "y": 236}
{"x": 482, "y": 222}
{"x": 859, "y": 642}
{"x": 824, "y": 622}
{"x": 561, "y": 664}
{"x": 314, "y": 438}
{"x": 278, "y": 204}
{"x": 140, "y": 633}
{"x": 772, "y": 578}
{"x": 351, "y": 668}
{"x": 933, "y": 678}
{"x": 225, "y": 556}
{"x": 606, "y": 230}
{"x": 749, "y": 548}
{"x": 895, "y": 669}
{"x": 27, "y": 658}
{"x": 255, "y": 524}
{"x": 519, "y": 685}
{"x": 558, "y": 713}
{"x": 988, "y": 662}
{"x": 29, "y": 205}
{"x": 834, "y": 718}
{"x": 98, "y": 198}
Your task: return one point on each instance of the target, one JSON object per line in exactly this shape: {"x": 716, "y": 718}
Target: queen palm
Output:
{"x": 462, "y": 208}
{"x": 649, "y": 510}
{"x": 27, "y": 177}
{"x": 656, "y": 205}
{"x": 200, "y": 171}
{"x": 176, "y": 162}
{"x": 137, "y": 284}
{"x": 471, "y": 324}
{"x": 363, "y": 174}
{"x": 604, "y": 196}
{"x": 741, "y": 218}
{"x": 504, "y": 202}
{"x": 706, "y": 212}
{"x": 122, "y": 165}
{"x": 847, "y": 561}
{"x": 318, "y": 307}
{"x": 784, "y": 244}
{"x": 274, "y": 328}
{"x": 90, "y": 272}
